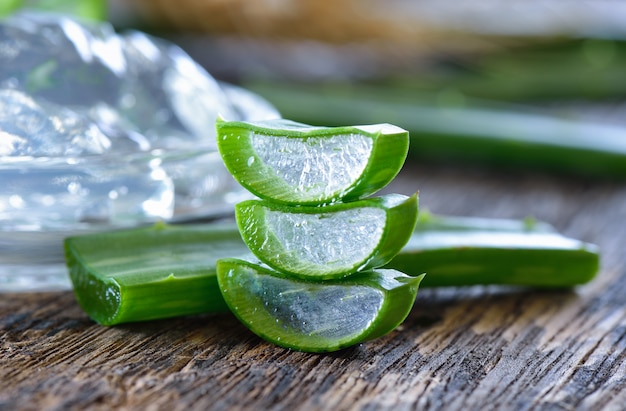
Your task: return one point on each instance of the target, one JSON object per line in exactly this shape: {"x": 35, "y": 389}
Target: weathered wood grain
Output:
{"x": 480, "y": 348}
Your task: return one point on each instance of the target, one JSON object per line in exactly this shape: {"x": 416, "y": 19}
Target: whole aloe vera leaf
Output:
{"x": 543, "y": 70}
{"x": 169, "y": 270}
{"x": 473, "y": 132}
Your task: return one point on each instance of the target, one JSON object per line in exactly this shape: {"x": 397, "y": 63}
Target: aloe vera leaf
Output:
{"x": 475, "y": 251}
{"x": 169, "y": 270}
{"x": 589, "y": 68}
{"x": 152, "y": 272}
{"x": 472, "y": 133}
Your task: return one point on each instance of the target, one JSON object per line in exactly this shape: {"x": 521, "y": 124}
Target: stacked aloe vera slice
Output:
{"x": 318, "y": 240}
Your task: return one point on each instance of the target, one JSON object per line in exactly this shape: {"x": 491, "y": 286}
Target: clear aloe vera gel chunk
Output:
{"x": 102, "y": 130}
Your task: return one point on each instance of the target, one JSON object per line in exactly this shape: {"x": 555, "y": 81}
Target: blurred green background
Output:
{"x": 517, "y": 85}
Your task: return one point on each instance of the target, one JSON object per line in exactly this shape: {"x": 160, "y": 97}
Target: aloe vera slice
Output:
{"x": 316, "y": 316}
{"x": 331, "y": 241}
{"x": 152, "y": 272}
{"x": 294, "y": 163}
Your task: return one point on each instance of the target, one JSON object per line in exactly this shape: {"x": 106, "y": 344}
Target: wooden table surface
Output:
{"x": 478, "y": 348}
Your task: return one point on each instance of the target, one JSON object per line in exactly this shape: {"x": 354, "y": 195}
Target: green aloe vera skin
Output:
{"x": 166, "y": 271}
{"x": 327, "y": 242}
{"x": 298, "y": 164}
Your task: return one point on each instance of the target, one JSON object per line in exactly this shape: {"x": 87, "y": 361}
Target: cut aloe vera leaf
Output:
{"x": 153, "y": 272}
{"x": 331, "y": 241}
{"x": 294, "y": 163}
{"x": 462, "y": 251}
{"x": 316, "y": 316}
{"x": 166, "y": 271}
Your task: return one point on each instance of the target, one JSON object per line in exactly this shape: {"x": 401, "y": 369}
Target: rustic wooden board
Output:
{"x": 479, "y": 348}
